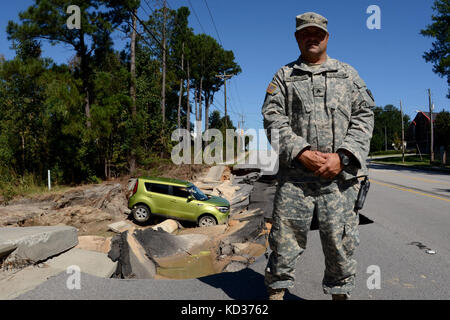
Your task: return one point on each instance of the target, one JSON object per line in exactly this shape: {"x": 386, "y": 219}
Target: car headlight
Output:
{"x": 223, "y": 209}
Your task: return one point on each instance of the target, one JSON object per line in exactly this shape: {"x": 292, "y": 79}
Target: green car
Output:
{"x": 172, "y": 198}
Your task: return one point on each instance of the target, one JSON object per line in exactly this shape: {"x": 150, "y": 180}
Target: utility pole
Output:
{"x": 224, "y": 77}
{"x": 239, "y": 137}
{"x": 431, "y": 125}
{"x": 240, "y": 133}
{"x": 403, "y": 134}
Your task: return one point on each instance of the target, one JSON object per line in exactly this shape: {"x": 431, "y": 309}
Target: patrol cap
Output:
{"x": 311, "y": 19}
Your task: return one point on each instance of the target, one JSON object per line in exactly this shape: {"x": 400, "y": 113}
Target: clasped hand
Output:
{"x": 326, "y": 165}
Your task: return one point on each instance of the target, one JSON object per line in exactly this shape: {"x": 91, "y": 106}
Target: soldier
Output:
{"x": 322, "y": 110}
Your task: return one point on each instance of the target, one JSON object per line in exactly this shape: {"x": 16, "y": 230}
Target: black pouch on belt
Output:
{"x": 363, "y": 190}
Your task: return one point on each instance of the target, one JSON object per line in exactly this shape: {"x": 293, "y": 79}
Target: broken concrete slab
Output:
{"x": 242, "y": 193}
{"x": 239, "y": 207}
{"x": 6, "y": 249}
{"x": 225, "y": 190}
{"x": 249, "y": 214}
{"x": 142, "y": 266}
{"x": 94, "y": 263}
{"x": 163, "y": 244}
{"x": 133, "y": 260}
{"x": 36, "y": 243}
{"x": 16, "y": 283}
{"x": 120, "y": 226}
{"x": 235, "y": 266}
{"x": 207, "y": 187}
{"x": 239, "y": 248}
{"x": 214, "y": 174}
{"x": 94, "y": 243}
{"x": 250, "y": 231}
{"x": 168, "y": 226}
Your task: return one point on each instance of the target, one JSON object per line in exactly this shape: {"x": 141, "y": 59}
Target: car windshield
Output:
{"x": 197, "y": 193}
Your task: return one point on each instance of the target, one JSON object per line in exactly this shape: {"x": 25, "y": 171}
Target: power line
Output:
{"x": 233, "y": 101}
{"x": 193, "y": 10}
{"x": 214, "y": 24}
{"x": 147, "y": 30}
{"x": 148, "y": 5}
{"x": 239, "y": 96}
{"x": 143, "y": 38}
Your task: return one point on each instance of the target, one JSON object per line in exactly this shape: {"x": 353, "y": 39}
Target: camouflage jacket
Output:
{"x": 325, "y": 109}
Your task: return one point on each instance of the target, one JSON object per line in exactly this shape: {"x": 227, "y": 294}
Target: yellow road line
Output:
{"x": 419, "y": 179}
{"x": 408, "y": 190}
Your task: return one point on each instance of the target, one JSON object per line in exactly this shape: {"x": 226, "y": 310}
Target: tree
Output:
{"x": 442, "y": 129}
{"x": 23, "y": 118}
{"x": 210, "y": 60}
{"x": 388, "y": 126}
{"x": 46, "y": 20}
{"x": 180, "y": 43}
{"x": 440, "y": 30}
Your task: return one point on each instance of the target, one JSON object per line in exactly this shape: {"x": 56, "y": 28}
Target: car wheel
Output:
{"x": 141, "y": 213}
{"x": 207, "y": 221}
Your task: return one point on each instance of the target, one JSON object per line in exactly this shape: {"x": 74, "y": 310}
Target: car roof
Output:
{"x": 170, "y": 181}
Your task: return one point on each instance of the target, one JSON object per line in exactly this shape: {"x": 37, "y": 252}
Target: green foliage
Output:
{"x": 44, "y": 118}
{"x": 440, "y": 31}
{"x": 387, "y": 124}
{"x": 442, "y": 129}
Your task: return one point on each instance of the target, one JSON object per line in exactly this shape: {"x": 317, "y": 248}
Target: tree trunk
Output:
{"x": 200, "y": 109}
{"x": 23, "y": 152}
{"x": 132, "y": 160}
{"x": 188, "y": 113}
{"x": 196, "y": 104}
{"x": 207, "y": 102}
{"x": 106, "y": 168}
{"x": 181, "y": 89}
{"x": 85, "y": 78}
{"x": 163, "y": 89}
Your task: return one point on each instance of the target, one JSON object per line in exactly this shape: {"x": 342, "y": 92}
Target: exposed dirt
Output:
{"x": 91, "y": 208}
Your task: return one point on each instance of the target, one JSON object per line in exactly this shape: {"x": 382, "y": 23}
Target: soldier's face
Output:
{"x": 312, "y": 41}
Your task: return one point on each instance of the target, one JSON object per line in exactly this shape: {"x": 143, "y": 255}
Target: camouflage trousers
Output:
{"x": 294, "y": 207}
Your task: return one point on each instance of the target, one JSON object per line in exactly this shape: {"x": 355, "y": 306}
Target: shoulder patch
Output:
{"x": 271, "y": 88}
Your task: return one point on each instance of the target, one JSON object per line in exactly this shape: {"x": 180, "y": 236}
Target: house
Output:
{"x": 418, "y": 135}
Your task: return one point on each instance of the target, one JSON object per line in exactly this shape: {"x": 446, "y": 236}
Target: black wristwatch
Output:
{"x": 345, "y": 159}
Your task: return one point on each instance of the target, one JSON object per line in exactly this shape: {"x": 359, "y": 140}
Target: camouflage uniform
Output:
{"x": 324, "y": 109}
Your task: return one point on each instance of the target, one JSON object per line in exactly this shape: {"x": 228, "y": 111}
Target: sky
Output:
{"x": 261, "y": 35}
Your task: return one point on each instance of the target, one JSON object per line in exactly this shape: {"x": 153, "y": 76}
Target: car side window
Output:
{"x": 158, "y": 188}
{"x": 180, "y": 192}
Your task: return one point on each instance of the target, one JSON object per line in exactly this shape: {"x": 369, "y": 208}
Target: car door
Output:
{"x": 182, "y": 207}
{"x": 159, "y": 195}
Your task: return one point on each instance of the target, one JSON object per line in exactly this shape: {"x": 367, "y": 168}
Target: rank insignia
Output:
{"x": 271, "y": 88}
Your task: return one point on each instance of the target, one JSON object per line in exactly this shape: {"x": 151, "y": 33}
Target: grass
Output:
{"x": 389, "y": 152}
{"x": 14, "y": 185}
{"x": 415, "y": 160}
